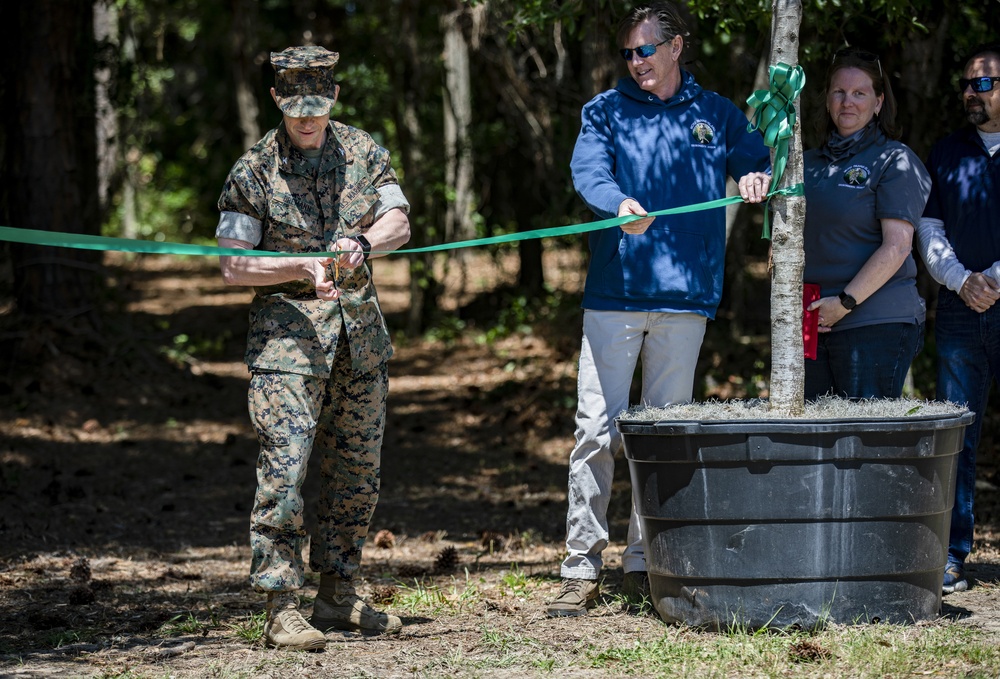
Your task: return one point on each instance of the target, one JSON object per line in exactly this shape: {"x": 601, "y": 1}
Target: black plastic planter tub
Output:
{"x": 780, "y": 523}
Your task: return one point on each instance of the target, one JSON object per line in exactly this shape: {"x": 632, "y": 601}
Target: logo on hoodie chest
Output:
{"x": 703, "y": 132}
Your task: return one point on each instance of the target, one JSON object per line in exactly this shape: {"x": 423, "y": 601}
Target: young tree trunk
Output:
{"x": 106, "y": 115}
{"x": 424, "y": 287}
{"x": 457, "y": 123}
{"x": 51, "y": 154}
{"x": 787, "y": 362}
{"x": 244, "y": 17}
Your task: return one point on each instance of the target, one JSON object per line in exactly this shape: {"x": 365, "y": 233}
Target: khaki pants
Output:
{"x": 613, "y": 343}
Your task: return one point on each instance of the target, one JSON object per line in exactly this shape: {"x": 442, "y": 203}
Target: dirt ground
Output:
{"x": 128, "y": 475}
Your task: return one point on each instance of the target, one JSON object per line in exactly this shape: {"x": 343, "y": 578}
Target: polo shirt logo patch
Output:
{"x": 703, "y": 132}
{"x": 857, "y": 175}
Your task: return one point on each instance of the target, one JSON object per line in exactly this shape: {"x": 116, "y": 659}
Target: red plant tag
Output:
{"x": 810, "y": 319}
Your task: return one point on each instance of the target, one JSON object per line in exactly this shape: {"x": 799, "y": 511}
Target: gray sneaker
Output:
{"x": 635, "y": 588}
{"x": 576, "y": 595}
{"x": 286, "y": 628}
{"x": 954, "y": 578}
{"x": 337, "y": 606}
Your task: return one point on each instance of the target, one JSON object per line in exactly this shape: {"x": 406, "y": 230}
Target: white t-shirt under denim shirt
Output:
{"x": 939, "y": 256}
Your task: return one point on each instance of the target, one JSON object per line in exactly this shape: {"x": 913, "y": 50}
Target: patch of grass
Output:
{"x": 508, "y": 649}
{"x": 66, "y": 637}
{"x": 906, "y": 651}
{"x": 251, "y": 628}
{"x": 422, "y": 599}
{"x": 462, "y": 595}
{"x": 181, "y": 625}
{"x": 856, "y": 651}
{"x": 515, "y": 582}
{"x": 121, "y": 674}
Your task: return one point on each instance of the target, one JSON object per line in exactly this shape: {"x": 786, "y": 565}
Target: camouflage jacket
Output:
{"x": 306, "y": 210}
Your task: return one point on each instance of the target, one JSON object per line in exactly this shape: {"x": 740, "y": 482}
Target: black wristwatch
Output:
{"x": 366, "y": 247}
{"x": 848, "y": 301}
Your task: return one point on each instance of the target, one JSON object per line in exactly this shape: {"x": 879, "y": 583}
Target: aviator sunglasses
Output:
{"x": 984, "y": 84}
{"x": 863, "y": 55}
{"x": 644, "y": 51}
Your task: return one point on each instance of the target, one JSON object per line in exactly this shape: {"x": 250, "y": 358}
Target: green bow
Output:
{"x": 775, "y": 118}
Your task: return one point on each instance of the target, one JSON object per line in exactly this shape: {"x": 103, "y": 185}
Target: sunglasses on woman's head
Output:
{"x": 984, "y": 84}
{"x": 856, "y": 53}
{"x": 644, "y": 51}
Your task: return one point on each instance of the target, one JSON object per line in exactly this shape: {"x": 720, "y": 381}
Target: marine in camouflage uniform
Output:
{"x": 318, "y": 344}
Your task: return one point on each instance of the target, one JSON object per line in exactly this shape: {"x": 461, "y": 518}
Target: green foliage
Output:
{"x": 447, "y": 330}
{"x": 186, "y": 348}
{"x": 184, "y": 625}
{"x": 421, "y": 598}
{"x": 728, "y": 18}
{"x": 251, "y": 628}
{"x": 60, "y": 638}
{"x": 533, "y": 65}
{"x": 515, "y": 583}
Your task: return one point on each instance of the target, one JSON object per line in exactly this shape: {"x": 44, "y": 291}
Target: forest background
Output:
{"x": 123, "y": 117}
{"x": 126, "y": 457}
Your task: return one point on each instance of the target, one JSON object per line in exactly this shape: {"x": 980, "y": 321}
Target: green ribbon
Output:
{"x": 775, "y": 118}
{"x": 89, "y": 242}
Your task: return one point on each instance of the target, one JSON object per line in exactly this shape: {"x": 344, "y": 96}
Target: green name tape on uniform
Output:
{"x": 89, "y": 242}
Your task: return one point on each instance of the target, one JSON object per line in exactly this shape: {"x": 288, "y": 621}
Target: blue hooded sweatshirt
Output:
{"x": 663, "y": 154}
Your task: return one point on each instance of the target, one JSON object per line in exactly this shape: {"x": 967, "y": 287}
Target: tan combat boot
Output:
{"x": 338, "y": 606}
{"x": 285, "y": 626}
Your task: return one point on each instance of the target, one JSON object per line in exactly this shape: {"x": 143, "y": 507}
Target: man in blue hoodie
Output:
{"x": 656, "y": 141}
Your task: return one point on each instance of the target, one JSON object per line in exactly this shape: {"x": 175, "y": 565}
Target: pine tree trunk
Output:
{"x": 51, "y": 155}
{"x": 787, "y": 362}
{"x": 244, "y": 18}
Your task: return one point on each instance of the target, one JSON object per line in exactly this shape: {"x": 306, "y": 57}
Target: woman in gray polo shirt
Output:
{"x": 864, "y": 192}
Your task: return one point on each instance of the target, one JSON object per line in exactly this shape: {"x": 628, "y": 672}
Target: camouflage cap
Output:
{"x": 303, "y": 80}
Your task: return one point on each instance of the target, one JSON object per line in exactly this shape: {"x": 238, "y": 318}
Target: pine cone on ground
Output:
{"x": 81, "y": 595}
{"x": 492, "y": 541}
{"x": 383, "y": 595}
{"x": 80, "y": 570}
{"x": 384, "y": 539}
{"x": 433, "y": 535}
{"x": 409, "y": 570}
{"x": 446, "y": 559}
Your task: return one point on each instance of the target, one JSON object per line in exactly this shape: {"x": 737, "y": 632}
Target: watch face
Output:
{"x": 848, "y": 301}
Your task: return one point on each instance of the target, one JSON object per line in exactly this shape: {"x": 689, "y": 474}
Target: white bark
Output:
{"x": 457, "y": 122}
{"x": 787, "y": 224}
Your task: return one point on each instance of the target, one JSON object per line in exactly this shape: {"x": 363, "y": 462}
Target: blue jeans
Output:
{"x": 968, "y": 346}
{"x": 866, "y": 362}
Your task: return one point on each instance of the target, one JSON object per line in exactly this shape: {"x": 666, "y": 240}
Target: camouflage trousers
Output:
{"x": 340, "y": 419}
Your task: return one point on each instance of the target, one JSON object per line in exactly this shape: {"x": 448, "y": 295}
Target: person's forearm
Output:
{"x": 262, "y": 270}
{"x": 994, "y": 272}
{"x": 940, "y": 258}
{"x": 390, "y": 232}
{"x": 884, "y": 262}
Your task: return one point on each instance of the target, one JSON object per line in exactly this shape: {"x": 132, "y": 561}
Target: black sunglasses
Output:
{"x": 644, "y": 51}
{"x": 984, "y": 84}
{"x": 863, "y": 55}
